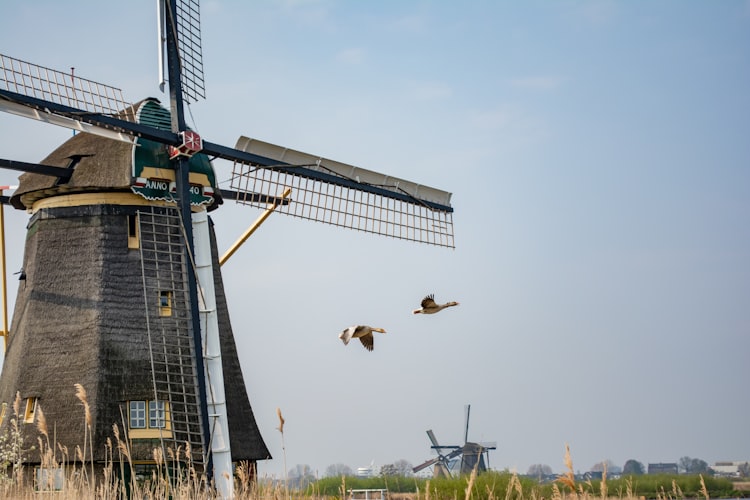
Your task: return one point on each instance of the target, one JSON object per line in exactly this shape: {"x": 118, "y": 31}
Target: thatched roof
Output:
{"x": 98, "y": 163}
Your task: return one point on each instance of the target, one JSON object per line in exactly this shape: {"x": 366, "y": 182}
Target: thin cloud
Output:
{"x": 352, "y": 55}
{"x": 308, "y": 11}
{"x": 211, "y": 7}
{"x": 538, "y": 82}
{"x": 508, "y": 125}
{"x": 493, "y": 118}
{"x": 600, "y": 13}
{"x": 410, "y": 24}
{"x": 431, "y": 91}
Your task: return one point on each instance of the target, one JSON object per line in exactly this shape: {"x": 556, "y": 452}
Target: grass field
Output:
{"x": 72, "y": 474}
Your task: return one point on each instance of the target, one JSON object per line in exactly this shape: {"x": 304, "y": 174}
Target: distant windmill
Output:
{"x": 123, "y": 291}
{"x": 472, "y": 455}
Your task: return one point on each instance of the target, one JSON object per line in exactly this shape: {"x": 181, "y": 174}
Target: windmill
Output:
{"x": 472, "y": 455}
{"x": 122, "y": 289}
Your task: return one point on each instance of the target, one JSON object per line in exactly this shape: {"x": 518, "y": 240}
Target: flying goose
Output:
{"x": 361, "y": 332}
{"x": 429, "y": 306}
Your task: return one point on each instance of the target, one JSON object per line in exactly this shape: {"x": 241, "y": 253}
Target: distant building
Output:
{"x": 660, "y": 468}
{"x": 728, "y": 469}
{"x": 370, "y": 471}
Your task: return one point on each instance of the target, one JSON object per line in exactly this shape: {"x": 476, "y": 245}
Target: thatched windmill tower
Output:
{"x": 103, "y": 302}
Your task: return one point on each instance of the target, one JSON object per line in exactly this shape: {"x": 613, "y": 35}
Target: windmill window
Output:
{"x": 165, "y": 303}
{"x": 28, "y": 416}
{"x": 137, "y": 414}
{"x": 133, "y": 231}
{"x": 157, "y": 418}
{"x": 49, "y": 478}
{"x": 149, "y": 419}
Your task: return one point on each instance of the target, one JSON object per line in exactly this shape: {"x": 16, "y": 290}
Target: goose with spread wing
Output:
{"x": 361, "y": 332}
{"x": 429, "y": 306}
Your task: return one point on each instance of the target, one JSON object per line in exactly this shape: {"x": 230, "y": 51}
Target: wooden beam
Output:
{"x": 253, "y": 227}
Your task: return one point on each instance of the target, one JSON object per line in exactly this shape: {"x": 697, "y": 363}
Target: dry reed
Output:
{"x": 704, "y": 490}
{"x": 470, "y": 483}
{"x": 280, "y": 428}
{"x": 88, "y": 429}
{"x": 64, "y": 478}
{"x": 569, "y": 477}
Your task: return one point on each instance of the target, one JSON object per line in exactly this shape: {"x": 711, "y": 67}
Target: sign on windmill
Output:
{"x": 123, "y": 206}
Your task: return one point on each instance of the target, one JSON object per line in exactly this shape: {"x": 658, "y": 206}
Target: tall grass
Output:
{"x": 280, "y": 428}
{"x": 67, "y": 475}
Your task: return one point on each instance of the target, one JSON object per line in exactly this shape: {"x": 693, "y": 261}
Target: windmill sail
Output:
{"x": 34, "y": 91}
{"x": 188, "y": 45}
{"x": 323, "y": 190}
{"x": 334, "y": 193}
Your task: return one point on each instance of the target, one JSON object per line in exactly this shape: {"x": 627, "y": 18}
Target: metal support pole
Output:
{"x": 182, "y": 176}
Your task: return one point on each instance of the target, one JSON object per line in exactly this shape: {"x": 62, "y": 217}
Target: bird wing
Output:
{"x": 346, "y": 335}
{"x": 429, "y": 301}
{"x": 368, "y": 340}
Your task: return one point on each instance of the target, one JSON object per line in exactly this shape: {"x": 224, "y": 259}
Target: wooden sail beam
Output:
{"x": 253, "y": 227}
{"x": 4, "y": 333}
{"x": 3, "y": 270}
{"x": 117, "y": 128}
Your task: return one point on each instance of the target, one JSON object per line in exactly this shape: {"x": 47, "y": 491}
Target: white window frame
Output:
{"x": 157, "y": 415}
{"x": 137, "y": 415}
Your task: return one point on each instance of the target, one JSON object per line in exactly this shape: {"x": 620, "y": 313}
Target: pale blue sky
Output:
{"x": 599, "y": 160}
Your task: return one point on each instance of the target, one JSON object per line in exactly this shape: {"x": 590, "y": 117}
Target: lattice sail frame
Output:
{"x": 323, "y": 190}
{"x": 58, "y": 87}
{"x": 341, "y": 201}
{"x": 189, "y": 43}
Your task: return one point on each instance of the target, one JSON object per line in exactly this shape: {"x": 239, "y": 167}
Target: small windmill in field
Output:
{"x": 122, "y": 290}
{"x": 472, "y": 455}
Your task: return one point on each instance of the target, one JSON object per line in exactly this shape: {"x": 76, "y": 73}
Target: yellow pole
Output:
{"x": 251, "y": 229}
{"x": 2, "y": 272}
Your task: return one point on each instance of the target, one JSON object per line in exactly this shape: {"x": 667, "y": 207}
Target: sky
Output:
{"x": 599, "y": 160}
